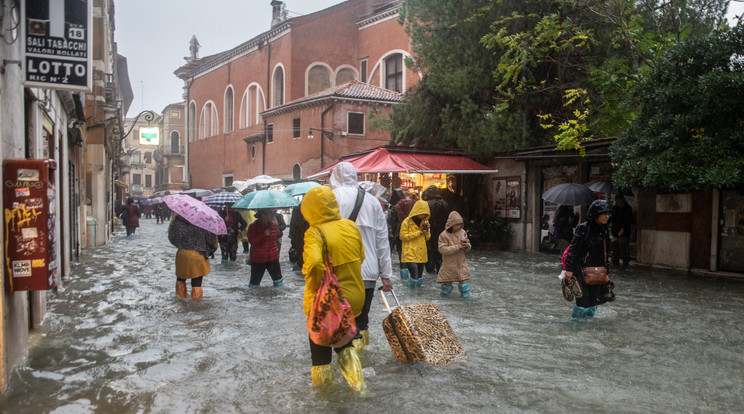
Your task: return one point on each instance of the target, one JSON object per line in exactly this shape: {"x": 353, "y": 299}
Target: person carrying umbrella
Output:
{"x": 133, "y": 216}
{"x": 195, "y": 245}
{"x": 264, "y": 253}
{"x": 344, "y": 244}
{"x": 235, "y": 223}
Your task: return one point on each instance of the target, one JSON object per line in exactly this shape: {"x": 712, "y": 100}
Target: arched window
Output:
{"x": 394, "y": 72}
{"x": 208, "y": 121}
{"x": 345, "y": 75}
{"x": 318, "y": 79}
{"x": 250, "y": 106}
{"x": 229, "y": 113}
{"x": 192, "y": 121}
{"x": 278, "y": 91}
{"x": 175, "y": 144}
{"x": 297, "y": 172}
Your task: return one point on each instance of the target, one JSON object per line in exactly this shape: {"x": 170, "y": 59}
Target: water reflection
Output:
{"x": 117, "y": 341}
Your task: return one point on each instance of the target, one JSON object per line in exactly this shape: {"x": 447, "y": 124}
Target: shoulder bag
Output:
{"x": 330, "y": 321}
{"x": 597, "y": 275}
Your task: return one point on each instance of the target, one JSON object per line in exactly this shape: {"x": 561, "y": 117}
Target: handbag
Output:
{"x": 597, "y": 275}
{"x": 330, "y": 321}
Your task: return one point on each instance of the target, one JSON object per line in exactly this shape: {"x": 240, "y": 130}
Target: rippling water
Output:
{"x": 117, "y": 341}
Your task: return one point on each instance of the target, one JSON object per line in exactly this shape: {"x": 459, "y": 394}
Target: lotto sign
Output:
{"x": 57, "y": 49}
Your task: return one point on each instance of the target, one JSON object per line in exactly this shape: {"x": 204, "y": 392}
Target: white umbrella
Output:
{"x": 264, "y": 179}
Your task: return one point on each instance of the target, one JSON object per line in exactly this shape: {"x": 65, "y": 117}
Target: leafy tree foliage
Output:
{"x": 690, "y": 130}
{"x": 503, "y": 74}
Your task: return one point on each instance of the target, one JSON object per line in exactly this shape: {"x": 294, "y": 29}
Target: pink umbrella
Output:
{"x": 196, "y": 212}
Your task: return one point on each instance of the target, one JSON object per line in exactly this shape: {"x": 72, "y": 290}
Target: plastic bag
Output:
{"x": 330, "y": 321}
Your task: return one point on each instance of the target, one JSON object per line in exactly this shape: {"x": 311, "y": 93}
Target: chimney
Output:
{"x": 277, "y": 15}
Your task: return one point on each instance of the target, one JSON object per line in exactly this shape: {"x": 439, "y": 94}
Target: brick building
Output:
{"x": 252, "y": 109}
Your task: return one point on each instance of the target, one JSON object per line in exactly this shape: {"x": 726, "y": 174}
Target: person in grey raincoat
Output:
{"x": 195, "y": 245}
{"x": 589, "y": 247}
{"x": 373, "y": 227}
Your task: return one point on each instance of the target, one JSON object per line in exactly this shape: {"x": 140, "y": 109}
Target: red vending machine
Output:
{"x": 29, "y": 201}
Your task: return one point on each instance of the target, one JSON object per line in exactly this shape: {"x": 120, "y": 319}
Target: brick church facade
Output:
{"x": 297, "y": 97}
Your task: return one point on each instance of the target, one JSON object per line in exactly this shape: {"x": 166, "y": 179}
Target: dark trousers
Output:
{"x": 415, "y": 270}
{"x": 434, "y": 263}
{"x": 322, "y": 355}
{"x": 195, "y": 282}
{"x": 590, "y": 296}
{"x": 258, "y": 270}
{"x": 229, "y": 246}
{"x": 362, "y": 321}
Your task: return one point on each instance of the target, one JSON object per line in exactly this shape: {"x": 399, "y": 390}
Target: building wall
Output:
{"x": 296, "y": 50}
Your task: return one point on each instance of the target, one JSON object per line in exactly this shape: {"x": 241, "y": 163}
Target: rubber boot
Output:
{"x": 351, "y": 368}
{"x": 252, "y": 286}
{"x": 225, "y": 261}
{"x": 413, "y": 283}
{"x": 322, "y": 374}
{"x": 361, "y": 343}
{"x": 420, "y": 281}
{"x": 404, "y": 274}
{"x": 464, "y": 290}
{"x": 580, "y": 313}
{"x": 181, "y": 292}
{"x": 445, "y": 290}
{"x": 279, "y": 282}
{"x": 197, "y": 293}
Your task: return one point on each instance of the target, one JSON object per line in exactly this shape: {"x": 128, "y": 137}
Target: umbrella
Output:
{"x": 264, "y": 179}
{"x": 196, "y": 212}
{"x": 608, "y": 187}
{"x": 156, "y": 200}
{"x": 570, "y": 194}
{"x": 300, "y": 188}
{"x": 266, "y": 199}
{"x": 372, "y": 188}
{"x": 198, "y": 192}
{"x": 222, "y": 199}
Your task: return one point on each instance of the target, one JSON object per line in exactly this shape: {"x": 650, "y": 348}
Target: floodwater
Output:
{"x": 116, "y": 340}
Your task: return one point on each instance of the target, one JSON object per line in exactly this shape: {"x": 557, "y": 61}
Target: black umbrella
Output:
{"x": 570, "y": 194}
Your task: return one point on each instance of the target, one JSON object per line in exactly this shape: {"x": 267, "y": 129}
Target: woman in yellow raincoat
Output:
{"x": 414, "y": 232}
{"x": 320, "y": 209}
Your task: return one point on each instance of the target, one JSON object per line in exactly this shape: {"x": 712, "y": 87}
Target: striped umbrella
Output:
{"x": 222, "y": 199}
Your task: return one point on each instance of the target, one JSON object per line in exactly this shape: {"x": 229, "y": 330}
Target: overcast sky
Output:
{"x": 154, "y": 36}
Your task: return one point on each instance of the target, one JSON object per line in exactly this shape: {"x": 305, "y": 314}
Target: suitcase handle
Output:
{"x": 384, "y": 300}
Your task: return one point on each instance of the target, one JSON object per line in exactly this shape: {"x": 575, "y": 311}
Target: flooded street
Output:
{"x": 116, "y": 340}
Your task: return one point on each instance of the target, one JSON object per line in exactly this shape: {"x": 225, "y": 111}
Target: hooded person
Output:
{"x": 589, "y": 247}
{"x": 453, "y": 243}
{"x": 414, "y": 232}
{"x": 344, "y": 244}
{"x": 373, "y": 227}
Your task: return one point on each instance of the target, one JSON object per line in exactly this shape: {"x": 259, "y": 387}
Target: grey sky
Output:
{"x": 154, "y": 36}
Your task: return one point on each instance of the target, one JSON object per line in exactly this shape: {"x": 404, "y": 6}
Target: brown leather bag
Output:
{"x": 597, "y": 275}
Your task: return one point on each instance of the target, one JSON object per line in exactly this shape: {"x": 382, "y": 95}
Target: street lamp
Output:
{"x": 323, "y": 134}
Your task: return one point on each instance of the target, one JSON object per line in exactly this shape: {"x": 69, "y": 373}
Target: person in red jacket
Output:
{"x": 264, "y": 253}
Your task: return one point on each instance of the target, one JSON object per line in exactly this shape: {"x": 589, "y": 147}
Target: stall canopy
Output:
{"x": 387, "y": 159}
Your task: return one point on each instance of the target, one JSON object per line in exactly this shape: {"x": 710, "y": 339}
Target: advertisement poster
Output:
{"x": 507, "y": 197}
{"x": 57, "y": 49}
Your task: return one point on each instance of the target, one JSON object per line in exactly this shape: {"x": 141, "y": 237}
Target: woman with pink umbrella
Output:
{"x": 193, "y": 231}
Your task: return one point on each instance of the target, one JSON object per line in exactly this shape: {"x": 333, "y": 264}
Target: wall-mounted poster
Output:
{"x": 507, "y": 197}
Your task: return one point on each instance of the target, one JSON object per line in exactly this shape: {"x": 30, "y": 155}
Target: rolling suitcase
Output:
{"x": 420, "y": 332}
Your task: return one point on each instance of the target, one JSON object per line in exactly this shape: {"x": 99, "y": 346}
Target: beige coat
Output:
{"x": 454, "y": 264}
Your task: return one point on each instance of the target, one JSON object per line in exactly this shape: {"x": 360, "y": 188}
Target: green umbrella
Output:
{"x": 300, "y": 188}
{"x": 266, "y": 199}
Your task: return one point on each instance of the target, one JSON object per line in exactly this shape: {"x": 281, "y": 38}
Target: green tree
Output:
{"x": 689, "y": 133}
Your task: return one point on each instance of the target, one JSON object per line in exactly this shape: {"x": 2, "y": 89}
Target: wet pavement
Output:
{"x": 116, "y": 340}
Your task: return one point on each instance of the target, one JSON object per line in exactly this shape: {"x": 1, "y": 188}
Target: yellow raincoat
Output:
{"x": 250, "y": 217}
{"x": 414, "y": 243}
{"x": 320, "y": 209}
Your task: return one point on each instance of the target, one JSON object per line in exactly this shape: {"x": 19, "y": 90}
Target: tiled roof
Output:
{"x": 354, "y": 90}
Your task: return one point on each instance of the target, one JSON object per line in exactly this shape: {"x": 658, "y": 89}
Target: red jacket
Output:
{"x": 263, "y": 247}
